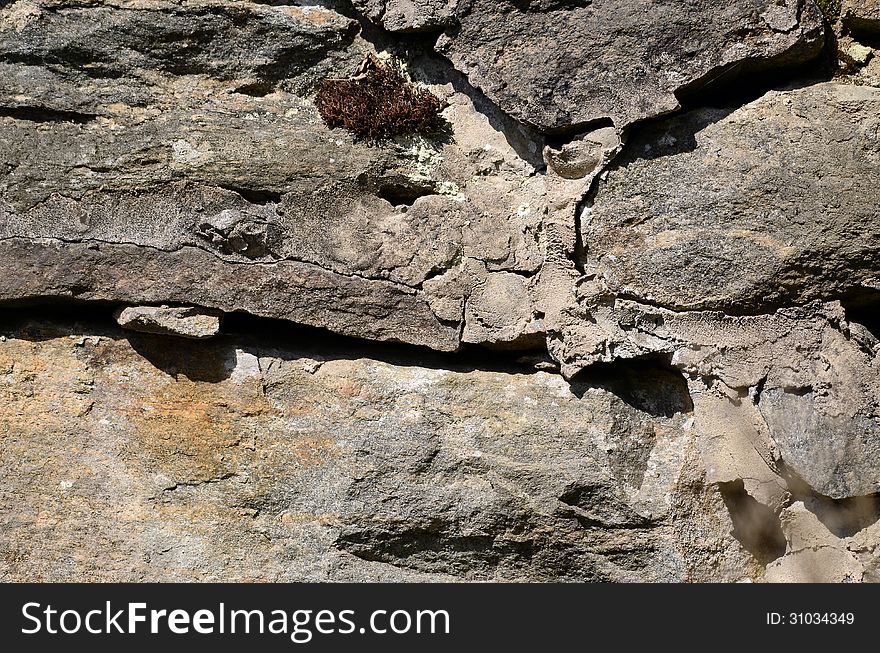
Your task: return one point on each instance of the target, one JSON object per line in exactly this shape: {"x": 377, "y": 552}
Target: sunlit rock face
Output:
{"x": 613, "y": 317}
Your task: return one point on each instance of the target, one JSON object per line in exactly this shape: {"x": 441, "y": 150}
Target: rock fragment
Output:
{"x": 183, "y": 321}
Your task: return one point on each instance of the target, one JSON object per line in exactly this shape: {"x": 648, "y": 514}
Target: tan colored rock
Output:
{"x": 823, "y": 565}
{"x": 128, "y": 459}
{"x": 813, "y": 386}
{"x": 704, "y": 282}
{"x": 184, "y": 321}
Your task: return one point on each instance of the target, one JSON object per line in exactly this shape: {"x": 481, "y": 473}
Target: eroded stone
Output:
{"x": 555, "y": 64}
{"x": 220, "y": 460}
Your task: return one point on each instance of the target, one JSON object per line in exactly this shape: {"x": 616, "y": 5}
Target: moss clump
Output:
{"x": 831, "y": 9}
{"x": 379, "y": 103}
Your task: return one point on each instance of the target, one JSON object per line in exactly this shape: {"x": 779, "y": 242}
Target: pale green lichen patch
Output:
{"x": 425, "y": 157}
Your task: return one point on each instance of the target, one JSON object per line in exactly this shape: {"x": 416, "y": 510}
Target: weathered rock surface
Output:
{"x": 409, "y": 15}
{"x": 696, "y": 236}
{"x": 184, "y": 321}
{"x": 800, "y": 387}
{"x": 774, "y": 204}
{"x": 205, "y": 166}
{"x": 235, "y": 460}
{"x": 706, "y": 283}
{"x": 557, "y": 63}
{"x": 823, "y": 548}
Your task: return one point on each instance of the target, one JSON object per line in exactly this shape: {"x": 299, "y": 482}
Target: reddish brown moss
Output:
{"x": 379, "y": 103}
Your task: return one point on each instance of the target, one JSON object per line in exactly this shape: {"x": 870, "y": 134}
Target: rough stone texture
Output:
{"x": 409, "y": 15}
{"x": 823, "y": 549}
{"x": 557, "y": 63}
{"x": 699, "y": 293}
{"x": 859, "y": 63}
{"x": 231, "y": 460}
{"x": 185, "y": 321}
{"x": 771, "y": 205}
{"x": 205, "y": 166}
{"x": 799, "y": 386}
{"x": 693, "y": 239}
{"x": 862, "y": 16}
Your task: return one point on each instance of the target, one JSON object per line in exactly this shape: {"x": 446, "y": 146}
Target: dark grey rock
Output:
{"x": 409, "y": 15}
{"x": 862, "y": 16}
{"x": 558, "y": 63}
{"x": 771, "y": 205}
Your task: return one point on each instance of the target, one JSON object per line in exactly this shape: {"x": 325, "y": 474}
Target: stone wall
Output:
{"x": 616, "y": 321}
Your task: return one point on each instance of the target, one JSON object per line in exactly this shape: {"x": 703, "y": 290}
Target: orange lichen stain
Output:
{"x": 43, "y": 381}
{"x": 348, "y": 387}
{"x": 314, "y": 449}
{"x": 191, "y": 431}
{"x": 45, "y": 519}
{"x": 314, "y": 15}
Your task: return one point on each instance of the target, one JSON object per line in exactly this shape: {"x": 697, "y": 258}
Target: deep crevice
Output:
{"x": 864, "y": 309}
{"x": 43, "y": 114}
{"x": 403, "y": 194}
{"x": 254, "y": 195}
{"x": 649, "y": 384}
{"x": 739, "y": 83}
{"x": 561, "y": 136}
{"x": 46, "y": 318}
{"x": 256, "y": 89}
{"x": 865, "y": 31}
{"x": 755, "y": 525}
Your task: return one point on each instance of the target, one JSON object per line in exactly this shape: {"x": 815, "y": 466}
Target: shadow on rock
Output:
{"x": 195, "y": 360}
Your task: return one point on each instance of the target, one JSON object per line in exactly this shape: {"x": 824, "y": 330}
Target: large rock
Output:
{"x": 800, "y": 386}
{"x": 558, "y": 63}
{"x": 774, "y": 204}
{"x": 203, "y": 165}
{"x": 721, "y": 219}
{"x": 742, "y": 246}
{"x": 125, "y": 459}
